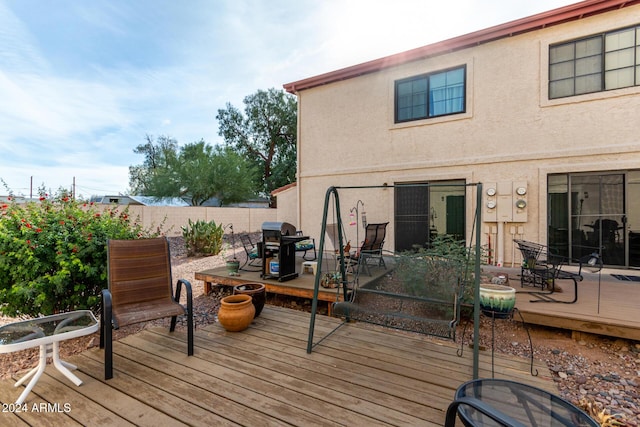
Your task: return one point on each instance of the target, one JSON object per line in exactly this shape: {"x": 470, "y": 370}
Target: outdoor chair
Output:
{"x": 370, "y": 252}
{"x": 253, "y": 260}
{"x": 305, "y": 246}
{"x": 542, "y": 268}
{"x": 140, "y": 289}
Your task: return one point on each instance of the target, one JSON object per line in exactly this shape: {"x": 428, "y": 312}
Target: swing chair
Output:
{"x": 397, "y": 316}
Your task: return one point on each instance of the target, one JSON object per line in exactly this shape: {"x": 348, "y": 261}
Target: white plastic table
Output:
{"x": 47, "y": 333}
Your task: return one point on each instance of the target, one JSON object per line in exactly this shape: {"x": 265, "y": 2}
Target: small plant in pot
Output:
{"x": 233, "y": 264}
{"x": 497, "y": 300}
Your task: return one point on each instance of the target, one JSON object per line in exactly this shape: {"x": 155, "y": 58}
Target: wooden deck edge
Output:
{"x": 581, "y": 325}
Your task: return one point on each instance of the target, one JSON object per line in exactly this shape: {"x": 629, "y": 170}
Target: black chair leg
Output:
{"x": 106, "y": 335}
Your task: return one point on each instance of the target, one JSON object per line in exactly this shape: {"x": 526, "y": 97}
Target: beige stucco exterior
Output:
{"x": 511, "y": 133}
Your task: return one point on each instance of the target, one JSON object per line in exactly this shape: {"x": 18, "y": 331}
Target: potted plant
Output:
{"x": 233, "y": 264}
{"x": 497, "y": 300}
{"x": 257, "y": 291}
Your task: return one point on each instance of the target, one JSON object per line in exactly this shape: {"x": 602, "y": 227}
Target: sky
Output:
{"x": 82, "y": 82}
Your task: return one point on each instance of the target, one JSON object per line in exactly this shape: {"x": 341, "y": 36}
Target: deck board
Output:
{"x": 359, "y": 375}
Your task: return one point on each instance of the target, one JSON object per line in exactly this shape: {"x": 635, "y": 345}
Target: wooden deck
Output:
{"x": 359, "y": 375}
{"x": 615, "y": 313}
{"x": 302, "y": 286}
{"x": 605, "y": 306}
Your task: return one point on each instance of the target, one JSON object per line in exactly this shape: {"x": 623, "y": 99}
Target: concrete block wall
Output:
{"x": 172, "y": 219}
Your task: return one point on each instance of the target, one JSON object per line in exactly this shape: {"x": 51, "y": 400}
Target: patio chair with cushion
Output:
{"x": 140, "y": 289}
{"x": 253, "y": 260}
{"x": 307, "y": 245}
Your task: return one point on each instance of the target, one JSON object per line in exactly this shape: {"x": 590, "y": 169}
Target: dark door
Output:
{"x": 426, "y": 210}
{"x": 411, "y": 216}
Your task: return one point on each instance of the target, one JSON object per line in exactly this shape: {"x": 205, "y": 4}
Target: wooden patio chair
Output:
{"x": 140, "y": 289}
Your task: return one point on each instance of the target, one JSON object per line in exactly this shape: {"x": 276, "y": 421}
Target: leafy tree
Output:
{"x": 196, "y": 171}
{"x": 265, "y": 134}
{"x": 158, "y": 155}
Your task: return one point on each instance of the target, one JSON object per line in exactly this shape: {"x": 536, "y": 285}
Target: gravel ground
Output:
{"x": 587, "y": 368}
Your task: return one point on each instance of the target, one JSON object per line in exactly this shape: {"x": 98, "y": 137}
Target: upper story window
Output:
{"x": 596, "y": 63}
{"x": 430, "y": 95}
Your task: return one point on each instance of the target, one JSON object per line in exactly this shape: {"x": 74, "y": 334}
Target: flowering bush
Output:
{"x": 53, "y": 254}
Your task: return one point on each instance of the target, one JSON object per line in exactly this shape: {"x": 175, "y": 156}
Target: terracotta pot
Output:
{"x": 236, "y": 312}
{"x": 497, "y": 300}
{"x": 257, "y": 292}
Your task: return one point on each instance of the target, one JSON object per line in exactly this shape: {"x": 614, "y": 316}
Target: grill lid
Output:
{"x": 283, "y": 228}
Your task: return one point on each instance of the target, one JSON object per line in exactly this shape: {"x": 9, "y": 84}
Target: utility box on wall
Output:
{"x": 505, "y": 201}
{"x": 520, "y": 202}
{"x": 490, "y": 196}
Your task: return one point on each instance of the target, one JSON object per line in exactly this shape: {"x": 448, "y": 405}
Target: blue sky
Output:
{"x": 83, "y": 81}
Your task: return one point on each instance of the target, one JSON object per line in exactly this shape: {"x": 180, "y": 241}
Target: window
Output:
{"x": 431, "y": 95}
{"x": 596, "y": 63}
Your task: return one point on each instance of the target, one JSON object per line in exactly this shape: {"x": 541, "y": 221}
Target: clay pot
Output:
{"x": 497, "y": 300}
{"x": 236, "y": 312}
{"x": 257, "y": 292}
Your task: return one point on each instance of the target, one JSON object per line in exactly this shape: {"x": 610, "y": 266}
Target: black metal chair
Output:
{"x": 253, "y": 260}
{"x": 306, "y": 246}
{"x": 371, "y": 248}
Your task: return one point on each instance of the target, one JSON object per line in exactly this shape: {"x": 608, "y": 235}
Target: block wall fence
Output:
{"x": 172, "y": 219}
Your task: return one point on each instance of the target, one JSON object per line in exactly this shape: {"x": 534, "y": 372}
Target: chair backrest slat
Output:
{"x": 139, "y": 270}
{"x": 374, "y": 237}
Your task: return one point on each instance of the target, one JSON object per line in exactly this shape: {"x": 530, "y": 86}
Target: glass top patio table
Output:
{"x": 497, "y": 402}
{"x": 46, "y": 332}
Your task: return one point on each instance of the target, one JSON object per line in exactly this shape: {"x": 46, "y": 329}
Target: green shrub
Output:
{"x": 203, "y": 238}
{"x": 53, "y": 253}
{"x": 422, "y": 271}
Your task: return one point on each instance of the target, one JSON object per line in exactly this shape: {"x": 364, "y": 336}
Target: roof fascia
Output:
{"x": 532, "y": 23}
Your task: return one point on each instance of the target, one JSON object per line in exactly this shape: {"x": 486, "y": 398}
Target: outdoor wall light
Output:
{"x": 521, "y": 204}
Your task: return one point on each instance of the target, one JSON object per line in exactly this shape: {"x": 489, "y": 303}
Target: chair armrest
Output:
{"x": 107, "y": 307}
{"x": 178, "y": 292}
{"x": 488, "y": 410}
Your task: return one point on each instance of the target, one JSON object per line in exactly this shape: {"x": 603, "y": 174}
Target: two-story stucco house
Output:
{"x": 544, "y": 111}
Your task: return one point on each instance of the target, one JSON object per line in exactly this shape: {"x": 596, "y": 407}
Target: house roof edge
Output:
{"x": 549, "y": 18}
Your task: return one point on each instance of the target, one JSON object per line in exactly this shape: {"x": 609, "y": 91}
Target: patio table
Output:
{"x": 46, "y": 332}
{"x": 491, "y": 402}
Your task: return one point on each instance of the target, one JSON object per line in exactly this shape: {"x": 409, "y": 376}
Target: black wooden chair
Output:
{"x": 140, "y": 289}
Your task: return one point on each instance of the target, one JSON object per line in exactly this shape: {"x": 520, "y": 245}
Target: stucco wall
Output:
{"x": 288, "y": 206}
{"x": 511, "y": 131}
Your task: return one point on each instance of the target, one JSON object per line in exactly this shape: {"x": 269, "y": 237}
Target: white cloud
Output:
{"x": 83, "y": 83}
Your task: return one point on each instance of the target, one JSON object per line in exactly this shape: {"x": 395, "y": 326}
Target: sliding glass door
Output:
{"x": 589, "y": 213}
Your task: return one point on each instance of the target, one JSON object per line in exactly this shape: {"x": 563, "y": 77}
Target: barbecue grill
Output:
{"x": 279, "y": 250}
